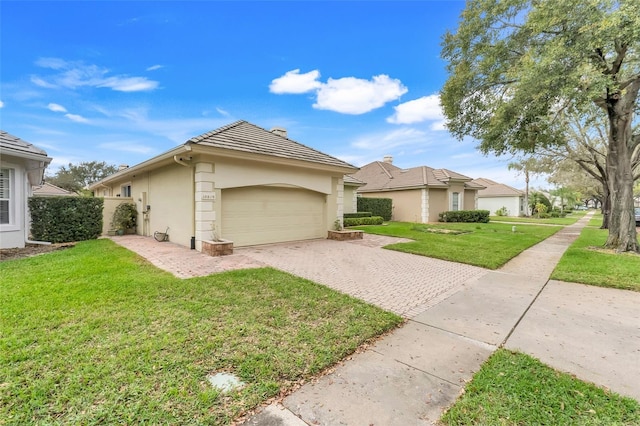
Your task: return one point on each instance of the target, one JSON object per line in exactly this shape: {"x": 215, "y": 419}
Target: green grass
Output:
{"x": 581, "y": 263}
{"x": 489, "y": 245}
{"x": 516, "y": 389}
{"x": 96, "y": 335}
{"x": 596, "y": 220}
{"x": 568, "y": 220}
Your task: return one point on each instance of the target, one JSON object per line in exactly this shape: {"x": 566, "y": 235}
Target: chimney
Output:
{"x": 280, "y": 131}
{"x": 123, "y": 166}
{"x": 387, "y": 159}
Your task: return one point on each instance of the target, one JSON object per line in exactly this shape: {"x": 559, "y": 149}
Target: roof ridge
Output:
{"x": 379, "y": 163}
{"x": 203, "y": 136}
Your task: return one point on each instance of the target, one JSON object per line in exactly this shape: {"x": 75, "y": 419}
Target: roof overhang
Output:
{"x": 34, "y": 163}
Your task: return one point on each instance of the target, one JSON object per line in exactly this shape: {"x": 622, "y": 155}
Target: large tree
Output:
{"x": 516, "y": 65}
{"x": 76, "y": 177}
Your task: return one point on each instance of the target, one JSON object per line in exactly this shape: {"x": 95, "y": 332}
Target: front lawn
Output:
{"x": 489, "y": 245}
{"x": 96, "y": 335}
{"x": 584, "y": 262}
{"x": 516, "y": 389}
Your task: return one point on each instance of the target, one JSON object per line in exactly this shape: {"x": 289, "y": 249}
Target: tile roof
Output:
{"x": 495, "y": 189}
{"x": 385, "y": 176}
{"x": 17, "y": 145}
{"x": 246, "y": 137}
{"x": 48, "y": 189}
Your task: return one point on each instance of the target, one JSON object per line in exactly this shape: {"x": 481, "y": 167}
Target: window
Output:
{"x": 5, "y": 196}
{"x": 455, "y": 201}
{"x": 125, "y": 191}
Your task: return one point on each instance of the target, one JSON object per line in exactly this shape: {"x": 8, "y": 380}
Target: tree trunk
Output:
{"x": 526, "y": 193}
{"x": 605, "y": 203}
{"x": 622, "y": 227}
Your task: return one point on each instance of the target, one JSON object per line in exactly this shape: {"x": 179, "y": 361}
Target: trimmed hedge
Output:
{"x": 377, "y": 206}
{"x": 358, "y": 214}
{"x": 473, "y": 216}
{"x": 356, "y": 221}
{"x": 64, "y": 219}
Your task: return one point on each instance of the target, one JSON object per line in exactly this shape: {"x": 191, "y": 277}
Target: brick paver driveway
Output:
{"x": 402, "y": 283}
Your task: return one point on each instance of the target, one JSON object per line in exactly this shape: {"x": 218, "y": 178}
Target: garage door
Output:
{"x": 262, "y": 215}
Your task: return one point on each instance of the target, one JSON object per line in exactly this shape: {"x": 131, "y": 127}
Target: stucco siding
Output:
{"x": 438, "y": 203}
{"x": 495, "y": 203}
{"x": 470, "y": 199}
{"x": 350, "y": 201}
{"x": 407, "y": 204}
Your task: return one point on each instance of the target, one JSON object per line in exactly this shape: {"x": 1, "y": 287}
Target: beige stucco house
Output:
{"x": 240, "y": 183}
{"x": 22, "y": 166}
{"x": 419, "y": 194}
{"x": 496, "y": 195}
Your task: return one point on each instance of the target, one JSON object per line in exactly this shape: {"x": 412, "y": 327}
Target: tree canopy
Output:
{"x": 76, "y": 177}
{"x": 516, "y": 66}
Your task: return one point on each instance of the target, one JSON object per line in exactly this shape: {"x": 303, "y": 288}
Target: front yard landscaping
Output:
{"x": 587, "y": 263}
{"x": 516, "y": 389}
{"x": 96, "y": 335}
{"x": 567, "y": 220}
{"x": 489, "y": 245}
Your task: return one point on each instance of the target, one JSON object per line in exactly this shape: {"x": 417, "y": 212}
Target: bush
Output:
{"x": 502, "y": 211}
{"x": 377, "y": 206}
{"x": 64, "y": 219}
{"x": 124, "y": 216}
{"x": 356, "y": 221}
{"x": 358, "y": 214}
{"x": 470, "y": 216}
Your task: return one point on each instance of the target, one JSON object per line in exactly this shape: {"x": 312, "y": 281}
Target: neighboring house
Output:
{"x": 419, "y": 194}
{"x": 22, "y": 166}
{"x": 240, "y": 183}
{"x": 49, "y": 190}
{"x": 498, "y": 195}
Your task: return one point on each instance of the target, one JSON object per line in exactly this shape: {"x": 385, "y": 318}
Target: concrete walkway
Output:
{"x": 411, "y": 376}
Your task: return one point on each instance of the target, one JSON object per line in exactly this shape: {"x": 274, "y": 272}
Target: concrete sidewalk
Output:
{"x": 415, "y": 373}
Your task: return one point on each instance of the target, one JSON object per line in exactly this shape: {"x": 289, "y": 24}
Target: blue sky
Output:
{"x": 121, "y": 81}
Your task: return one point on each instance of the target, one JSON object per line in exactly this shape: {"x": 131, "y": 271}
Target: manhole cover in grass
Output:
{"x": 225, "y": 382}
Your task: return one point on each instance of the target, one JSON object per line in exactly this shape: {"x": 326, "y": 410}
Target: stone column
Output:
{"x": 205, "y": 203}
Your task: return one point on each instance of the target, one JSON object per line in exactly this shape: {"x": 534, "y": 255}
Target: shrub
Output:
{"x": 377, "y": 206}
{"x": 64, "y": 219}
{"x": 356, "y": 221}
{"x": 470, "y": 216}
{"x": 124, "y": 216}
{"x": 502, "y": 211}
{"x": 358, "y": 214}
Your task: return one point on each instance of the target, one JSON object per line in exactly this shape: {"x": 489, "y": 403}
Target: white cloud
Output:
{"x": 155, "y": 67}
{"x": 77, "y": 118}
{"x": 53, "y": 63}
{"x": 426, "y": 108}
{"x": 222, "y": 112}
{"x": 295, "y": 83}
{"x": 347, "y": 95}
{"x": 56, "y": 107}
{"x": 350, "y": 95}
{"x": 41, "y": 83}
{"x": 74, "y": 74}
{"x": 1, "y": 104}
{"x": 129, "y": 84}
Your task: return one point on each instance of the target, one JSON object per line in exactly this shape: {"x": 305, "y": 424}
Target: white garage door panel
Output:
{"x": 262, "y": 215}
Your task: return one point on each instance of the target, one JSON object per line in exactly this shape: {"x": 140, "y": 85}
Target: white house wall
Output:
{"x": 15, "y": 233}
{"x": 496, "y": 203}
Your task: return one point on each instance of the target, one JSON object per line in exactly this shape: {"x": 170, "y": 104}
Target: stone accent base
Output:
{"x": 345, "y": 235}
{"x": 217, "y": 248}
